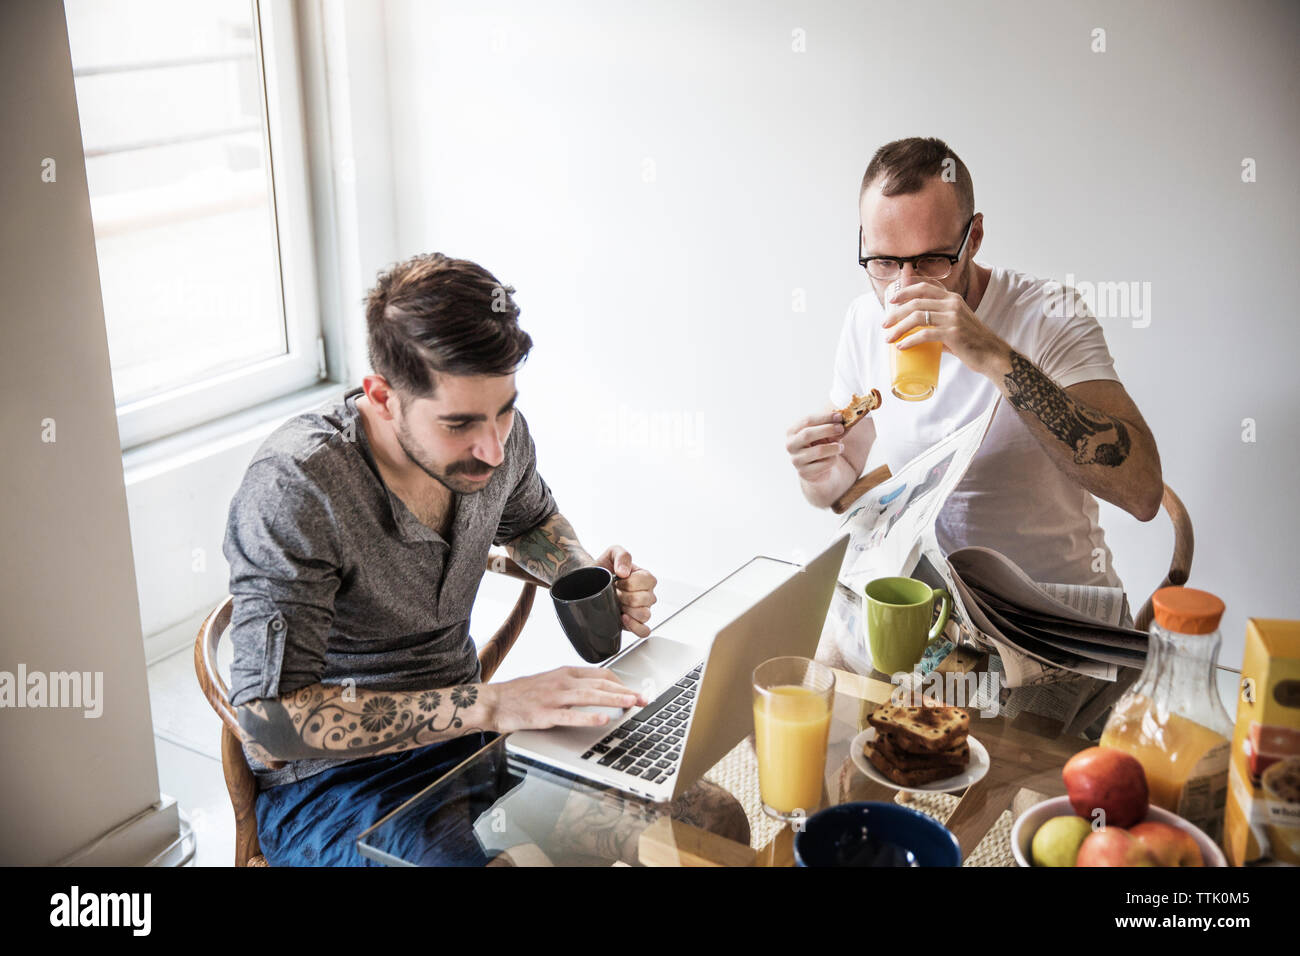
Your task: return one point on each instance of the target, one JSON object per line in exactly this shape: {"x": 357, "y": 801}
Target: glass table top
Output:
{"x": 495, "y": 807}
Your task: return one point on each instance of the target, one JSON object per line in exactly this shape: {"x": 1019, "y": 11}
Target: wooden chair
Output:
{"x": 240, "y": 782}
{"x": 1180, "y": 566}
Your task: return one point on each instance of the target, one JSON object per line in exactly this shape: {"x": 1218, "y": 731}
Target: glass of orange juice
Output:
{"x": 792, "y": 723}
{"x": 914, "y": 372}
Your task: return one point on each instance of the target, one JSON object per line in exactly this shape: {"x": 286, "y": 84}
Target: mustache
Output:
{"x": 474, "y": 469}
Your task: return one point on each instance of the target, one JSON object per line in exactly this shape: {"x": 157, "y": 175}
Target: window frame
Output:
{"x": 303, "y": 365}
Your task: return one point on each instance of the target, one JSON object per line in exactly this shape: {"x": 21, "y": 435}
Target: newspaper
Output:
{"x": 892, "y": 525}
{"x": 1064, "y": 651}
{"x": 1037, "y": 620}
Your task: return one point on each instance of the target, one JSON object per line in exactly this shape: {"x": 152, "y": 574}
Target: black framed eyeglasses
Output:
{"x": 932, "y": 265}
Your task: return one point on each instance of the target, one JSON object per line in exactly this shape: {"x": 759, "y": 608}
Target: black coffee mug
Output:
{"x": 588, "y": 610}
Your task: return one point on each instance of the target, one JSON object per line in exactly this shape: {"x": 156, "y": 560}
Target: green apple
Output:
{"x": 1057, "y": 841}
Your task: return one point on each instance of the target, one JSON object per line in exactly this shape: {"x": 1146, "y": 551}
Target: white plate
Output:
{"x": 975, "y": 770}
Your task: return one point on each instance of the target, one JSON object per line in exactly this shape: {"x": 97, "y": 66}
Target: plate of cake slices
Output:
{"x": 926, "y": 749}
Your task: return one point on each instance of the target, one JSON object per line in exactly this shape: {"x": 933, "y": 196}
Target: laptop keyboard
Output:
{"x": 649, "y": 743}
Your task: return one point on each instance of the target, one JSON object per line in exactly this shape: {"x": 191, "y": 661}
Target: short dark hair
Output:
{"x": 433, "y": 313}
{"x": 907, "y": 164}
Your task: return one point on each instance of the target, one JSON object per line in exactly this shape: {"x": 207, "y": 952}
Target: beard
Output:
{"x": 446, "y": 476}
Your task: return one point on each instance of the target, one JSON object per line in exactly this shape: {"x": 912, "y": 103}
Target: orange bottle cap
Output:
{"x": 1187, "y": 610}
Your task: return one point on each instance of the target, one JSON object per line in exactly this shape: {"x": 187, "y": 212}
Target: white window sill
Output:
{"x": 211, "y": 438}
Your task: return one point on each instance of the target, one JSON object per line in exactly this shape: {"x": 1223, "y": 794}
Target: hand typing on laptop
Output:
{"x": 552, "y": 699}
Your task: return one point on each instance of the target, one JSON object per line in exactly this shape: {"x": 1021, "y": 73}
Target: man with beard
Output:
{"x": 357, "y": 542}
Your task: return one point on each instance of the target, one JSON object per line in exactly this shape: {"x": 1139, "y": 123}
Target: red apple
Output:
{"x": 1110, "y": 780}
{"x": 1113, "y": 846}
{"x": 1168, "y": 845}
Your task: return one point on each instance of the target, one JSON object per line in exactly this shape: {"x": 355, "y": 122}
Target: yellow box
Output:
{"x": 1262, "y": 819}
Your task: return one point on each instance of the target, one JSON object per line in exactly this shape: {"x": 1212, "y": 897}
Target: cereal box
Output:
{"x": 1262, "y": 821}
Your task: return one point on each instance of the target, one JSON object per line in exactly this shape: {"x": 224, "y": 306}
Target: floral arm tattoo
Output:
{"x": 1094, "y": 438}
{"x": 549, "y": 550}
{"x": 333, "y": 720}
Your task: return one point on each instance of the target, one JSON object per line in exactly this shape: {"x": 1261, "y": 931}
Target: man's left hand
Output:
{"x": 952, "y": 324}
{"x": 634, "y": 586}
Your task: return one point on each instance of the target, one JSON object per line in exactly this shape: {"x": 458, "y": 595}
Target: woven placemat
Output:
{"x": 737, "y": 773}
{"x": 993, "y": 850}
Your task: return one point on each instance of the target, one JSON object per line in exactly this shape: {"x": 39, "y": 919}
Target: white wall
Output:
{"x": 68, "y": 591}
{"x": 660, "y": 182}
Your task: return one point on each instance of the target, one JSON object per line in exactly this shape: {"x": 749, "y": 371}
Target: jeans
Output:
{"x": 315, "y": 822}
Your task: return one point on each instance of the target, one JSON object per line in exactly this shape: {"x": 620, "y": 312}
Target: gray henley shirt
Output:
{"x": 333, "y": 577}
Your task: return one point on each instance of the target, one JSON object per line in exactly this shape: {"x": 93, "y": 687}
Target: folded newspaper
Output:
{"x": 1064, "y": 652}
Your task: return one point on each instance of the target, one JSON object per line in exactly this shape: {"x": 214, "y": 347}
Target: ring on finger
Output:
{"x": 927, "y": 316}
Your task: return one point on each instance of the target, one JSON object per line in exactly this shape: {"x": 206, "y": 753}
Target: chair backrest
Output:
{"x": 205, "y": 661}
{"x": 1180, "y": 565}
{"x": 240, "y": 782}
{"x": 494, "y": 650}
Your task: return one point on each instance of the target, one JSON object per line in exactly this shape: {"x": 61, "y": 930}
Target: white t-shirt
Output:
{"x": 1013, "y": 498}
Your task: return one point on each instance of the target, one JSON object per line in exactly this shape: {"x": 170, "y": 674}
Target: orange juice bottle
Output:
{"x": 1172, "y": 719}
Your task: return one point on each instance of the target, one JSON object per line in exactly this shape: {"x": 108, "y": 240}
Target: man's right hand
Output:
{"x": 814, "y": 445}
{"x": 550, "y": 699}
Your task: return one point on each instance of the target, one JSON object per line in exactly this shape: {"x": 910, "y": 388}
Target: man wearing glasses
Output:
{"x": 1068, "y": 430}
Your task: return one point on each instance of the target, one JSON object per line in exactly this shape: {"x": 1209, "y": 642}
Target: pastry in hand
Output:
{"x": 859, "y": 407}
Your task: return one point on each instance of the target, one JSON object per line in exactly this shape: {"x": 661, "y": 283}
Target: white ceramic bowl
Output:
{"x": 1027, "y": 824}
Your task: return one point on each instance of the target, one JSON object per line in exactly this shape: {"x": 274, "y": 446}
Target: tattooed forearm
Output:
{"x": 549, "y": 550}
{"x": 331, "y": 720}
{"x": 1094, "y": 438}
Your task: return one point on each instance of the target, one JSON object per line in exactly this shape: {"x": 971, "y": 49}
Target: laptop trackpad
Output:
{"x": 613, "y": 713}
{"x": 655, "y": 665}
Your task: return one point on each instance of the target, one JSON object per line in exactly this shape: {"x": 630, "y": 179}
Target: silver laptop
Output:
{"x": 697, "y": 669}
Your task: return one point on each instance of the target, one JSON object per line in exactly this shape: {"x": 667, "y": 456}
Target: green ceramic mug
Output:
{"x": 899, "y": 611}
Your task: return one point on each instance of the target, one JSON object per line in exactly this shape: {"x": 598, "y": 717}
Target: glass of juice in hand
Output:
{"x": 792, "y": 723}
{"x": 913, "y": 372}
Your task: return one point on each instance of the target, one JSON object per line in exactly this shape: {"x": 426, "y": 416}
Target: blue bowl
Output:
{"x": 874, "y": 834}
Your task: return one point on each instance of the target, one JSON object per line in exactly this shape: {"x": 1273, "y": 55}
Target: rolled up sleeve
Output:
{"x": 282, "y": 546}
{"x": 530, "y": 501}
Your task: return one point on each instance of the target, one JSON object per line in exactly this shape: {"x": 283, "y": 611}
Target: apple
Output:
{"x": 1110, "y": 780}
{"x": 1057, "y": 841}
{"x": 1168, "y": 845}
{"x": 1113, "y": 846}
